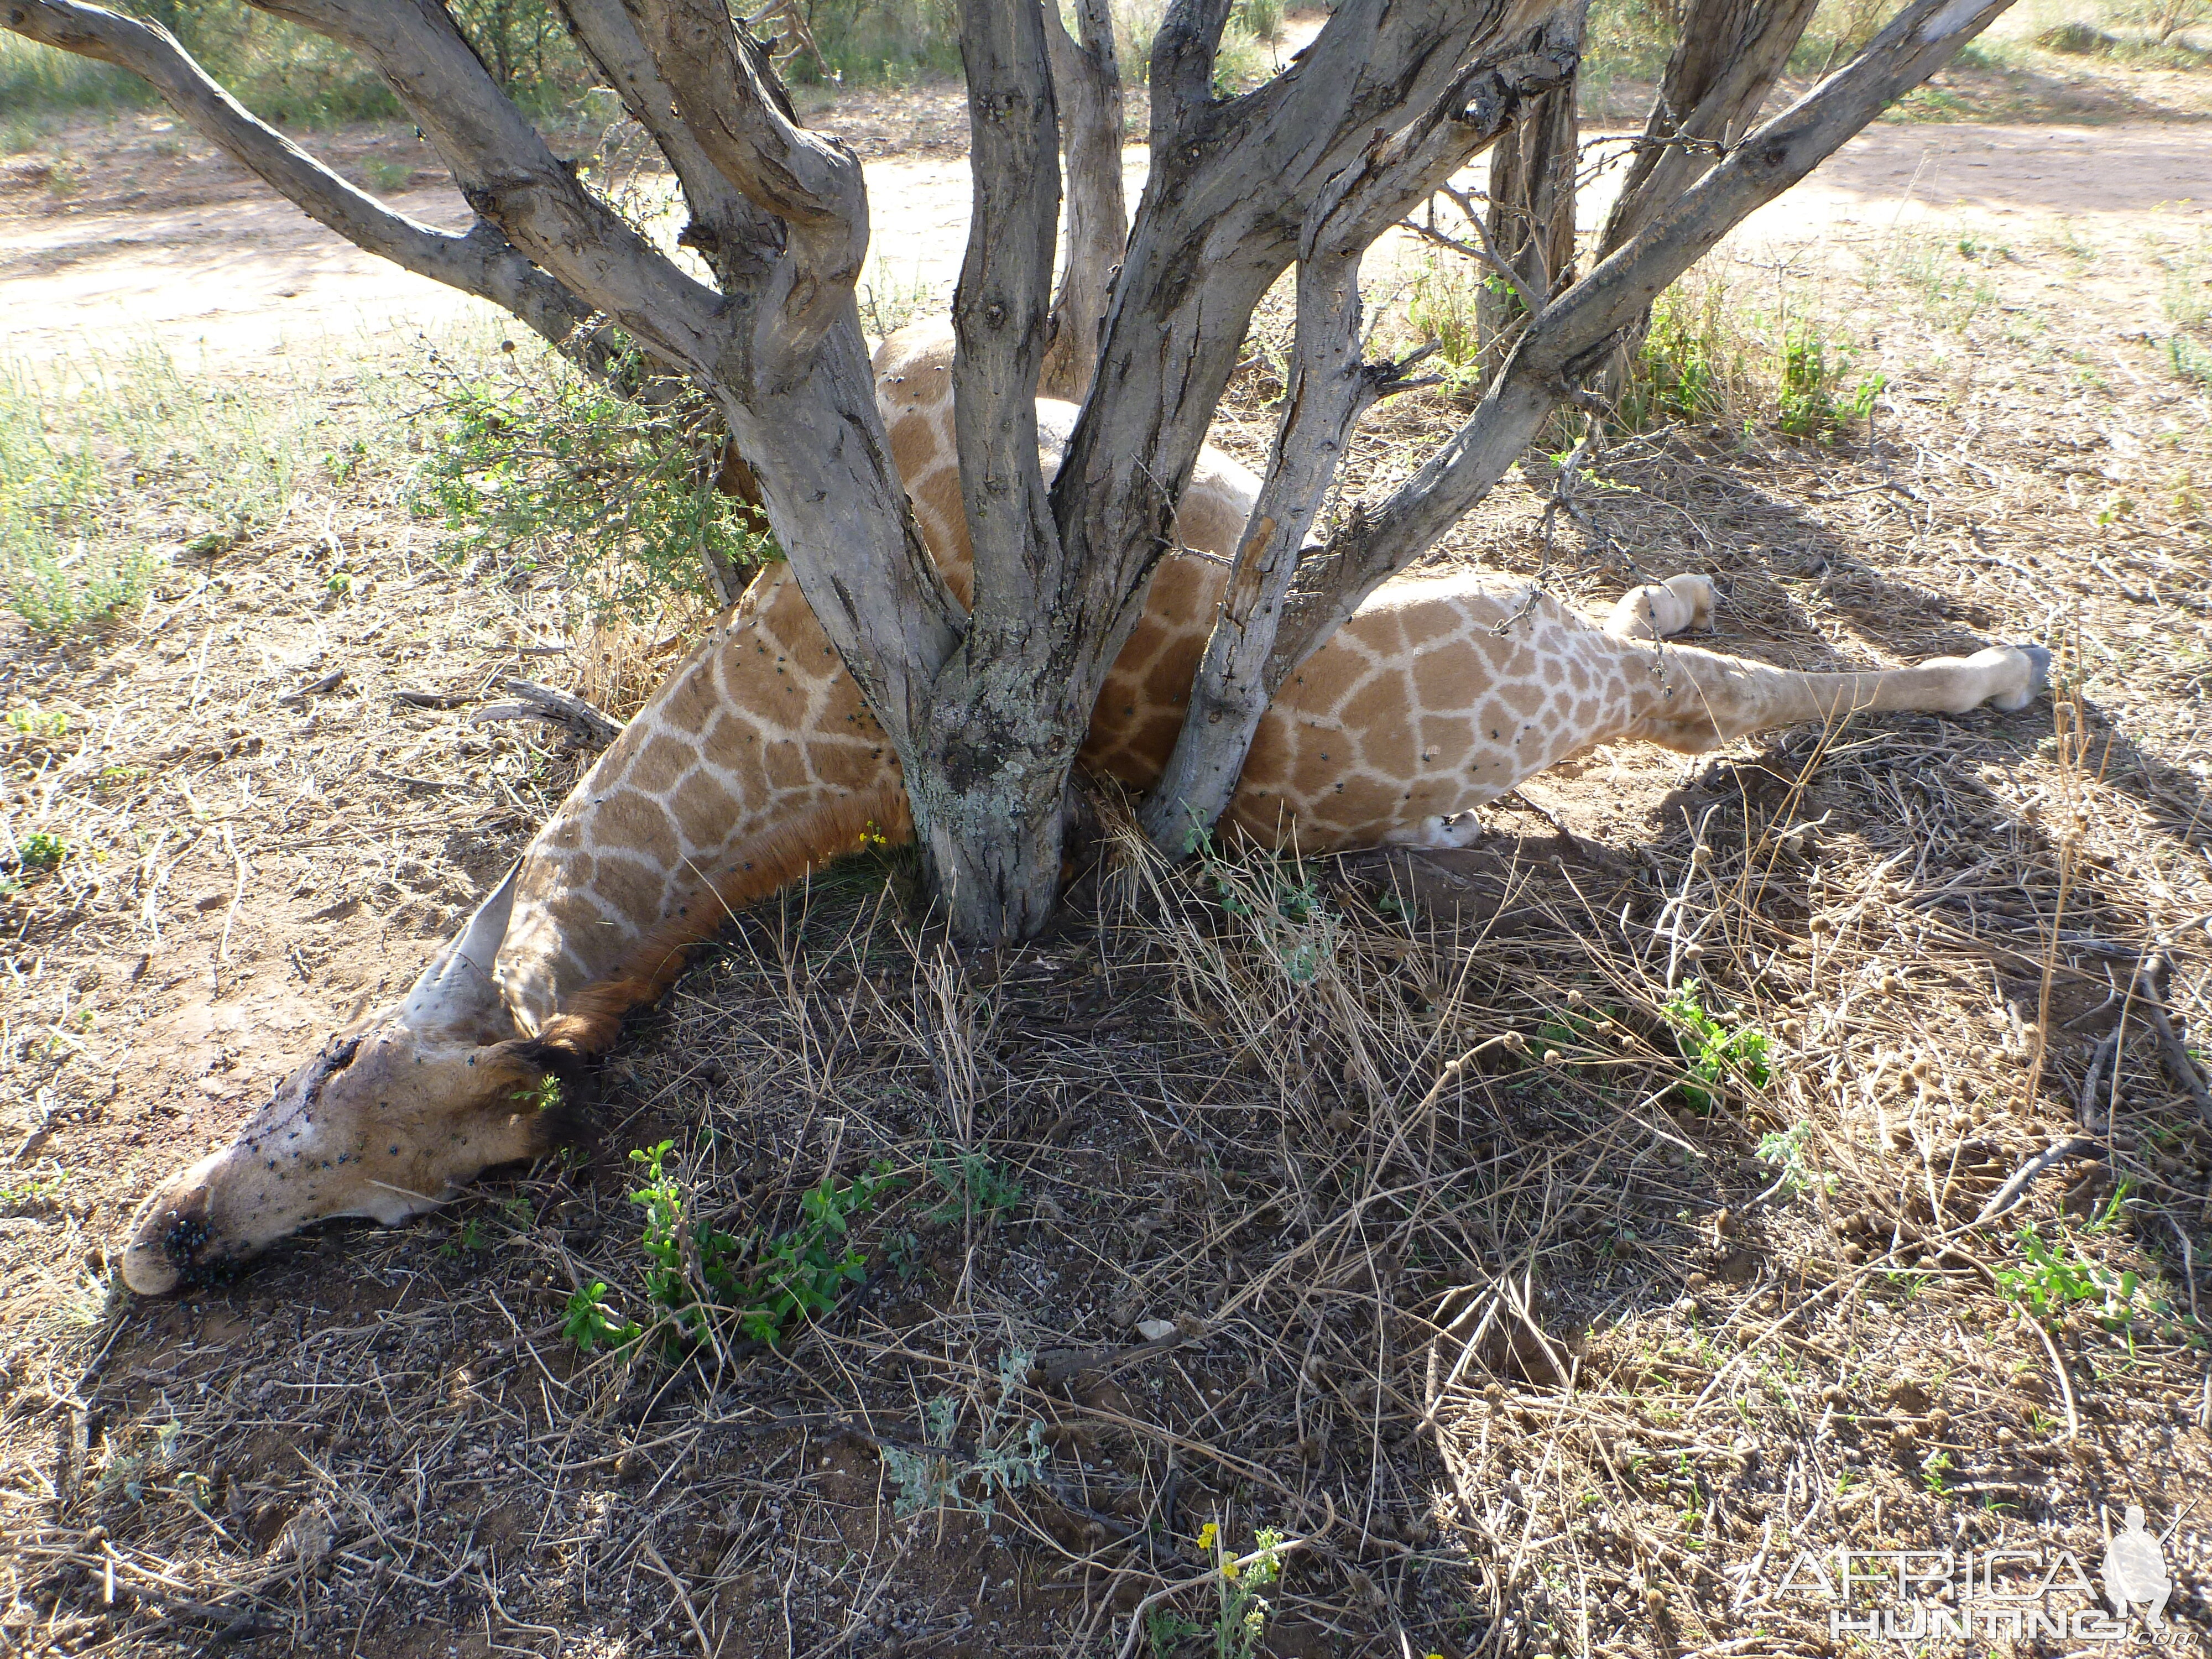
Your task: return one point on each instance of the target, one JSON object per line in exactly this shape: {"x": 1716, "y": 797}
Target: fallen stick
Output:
{"x": 2172, "y": 1052}
{"x": 543, "y": 702}
{"x": 2016, "y": 1189}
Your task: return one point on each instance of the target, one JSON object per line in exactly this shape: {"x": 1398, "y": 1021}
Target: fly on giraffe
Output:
{"x": 758, "y": 760}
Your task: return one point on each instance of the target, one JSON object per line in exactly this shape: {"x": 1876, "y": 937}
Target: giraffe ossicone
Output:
{"x": 758, "y": 759}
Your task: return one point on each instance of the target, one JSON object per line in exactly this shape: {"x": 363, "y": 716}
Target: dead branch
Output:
{"x": 543, "y": 702}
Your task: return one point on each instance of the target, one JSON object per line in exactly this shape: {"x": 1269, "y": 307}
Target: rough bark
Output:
{"x": 1531, "y": 218}
{"x": 1730, "y": 54}
{"x": 1087, "y": 86}
{"x": 1221, "y": 218}
{"x": 1330, "y": 386}
{"x": 986, "y": 800}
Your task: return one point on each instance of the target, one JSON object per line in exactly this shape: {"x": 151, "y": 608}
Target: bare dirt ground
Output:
{"x": 1541, "y": 1354}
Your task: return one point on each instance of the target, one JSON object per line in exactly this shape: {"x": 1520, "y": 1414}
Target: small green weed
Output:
{"x": 1784, "y": 1149}
{"x": 2052, "y": 1278}
{"x": 888, "y": 301}
{"x": 43, "y": 851}
{"x": 1680, "y": 371}
{"x": 33, "y": 722}
{"x": 1278, "y": 904}
{"x": 2190, "y": 361}
{"x": 1806, "y": 406}
{"x": 59, "y": 593}
{"x": 542, "y": 1095}
{"x": 1444, "y": 306}
{"x": 1010, "y": 1451}
{"x": 1935, "y": 1473}
{"x": 695, "y": 1271}
{"x": 1240, "y": 1619}
{"x": 976, "y": 1188}
{"x": 1716, "y": 1052}
{"x": 592, "y": 1325}
{"x": 384, "y": 176}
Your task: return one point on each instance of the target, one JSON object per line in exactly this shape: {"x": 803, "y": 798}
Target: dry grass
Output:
{"x": 1527, "y": 1347}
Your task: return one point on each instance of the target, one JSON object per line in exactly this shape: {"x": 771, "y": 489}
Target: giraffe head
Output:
{"x": 394, "y": 1112}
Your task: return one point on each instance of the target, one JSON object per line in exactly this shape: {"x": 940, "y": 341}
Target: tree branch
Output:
{"x": 1570, "y": 338}
{"x": 1002, "y": 306}
{"x": 736, "y": 240}
{"x": 510, "y": 176}
{"x": 1329, "y": 388}
{"x": 1087, "y": 87}
{"x": 481, "y": 263}
{"x": 1220, "y": 219}
{"x": 1730, "y": 54}
{"x": 727, "y": 92}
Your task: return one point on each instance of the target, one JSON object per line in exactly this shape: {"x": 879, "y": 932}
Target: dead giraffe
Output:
{"x": 758, "y": 759}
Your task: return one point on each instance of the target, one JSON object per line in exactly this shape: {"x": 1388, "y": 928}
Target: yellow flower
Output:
{"x": 1229, "y": 1570}
{"x": 1207, "y": 1535}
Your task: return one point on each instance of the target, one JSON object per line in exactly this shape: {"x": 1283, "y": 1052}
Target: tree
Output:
{"x": 986, "y": 706}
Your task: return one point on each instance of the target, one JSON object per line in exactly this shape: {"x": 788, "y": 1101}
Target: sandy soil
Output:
{"x": 200, "y": 259}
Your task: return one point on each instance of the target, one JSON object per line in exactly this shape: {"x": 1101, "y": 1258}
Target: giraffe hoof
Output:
{"x": 2039, "y": 677}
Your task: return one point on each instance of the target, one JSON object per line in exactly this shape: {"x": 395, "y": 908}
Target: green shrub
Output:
{"x": 533, "y": 457}
{"x": 696, "y": 1272}
{"x": 1810, "y": 380}
{"x": 1680, "y": 370}
{"x": 1715, "y": 1051}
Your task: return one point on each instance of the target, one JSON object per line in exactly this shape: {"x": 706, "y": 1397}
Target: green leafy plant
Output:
{"x": 590, "y": 1324}
{"x": 695, "y": 1270}
{"x": 542, "y": 1095}
{"x": 43, "y": 851}
{"x": 976, "y": 1188}
{"x": 33, "y": 722}
{"x": 1807, "y": 405}
{"x": 2051, "y": 1278}
{"x": 2190, "y": 361}
{"x": 1715, "y": 1051}
{"x": 803, "y": 1272}
{"x": 1935, "y": 1473}
{"x": 606, "y": 479}
{"x": 1240, "y": 1620}
{"x": 1678, "y": 375}
{"x": 1010, "y": 1450}
{"x": 1784, "y": 1149}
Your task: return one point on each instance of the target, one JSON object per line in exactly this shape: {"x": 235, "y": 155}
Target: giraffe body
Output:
{"x": 758, "y": 758}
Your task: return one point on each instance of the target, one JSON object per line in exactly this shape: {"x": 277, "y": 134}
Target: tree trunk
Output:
{"x": 1531, "y": 219}
{"x": 1001, "y": 732}
{"x": 1729, "y": 55}
{"x": 1087, "y": 85}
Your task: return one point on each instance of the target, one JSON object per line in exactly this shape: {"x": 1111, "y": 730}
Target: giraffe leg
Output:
{"x": 1695, "y": 700}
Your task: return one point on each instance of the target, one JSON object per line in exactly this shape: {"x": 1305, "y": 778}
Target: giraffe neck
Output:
{"x": 756, "y": 760}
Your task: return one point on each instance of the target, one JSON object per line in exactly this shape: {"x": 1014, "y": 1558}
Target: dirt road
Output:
{"x": 240, "y": 274}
